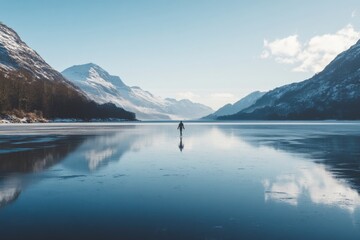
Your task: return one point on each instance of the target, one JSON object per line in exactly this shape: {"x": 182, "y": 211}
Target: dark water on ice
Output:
{"x": 131, "y": 181}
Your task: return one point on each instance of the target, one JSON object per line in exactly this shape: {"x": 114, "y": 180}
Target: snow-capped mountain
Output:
{"x": 243, "y": 103}
{"x": 29, "y": 84}
{"x": 333, "y": 93}
{"x": 15, "y": 55}
{"x": 102, "y": 87}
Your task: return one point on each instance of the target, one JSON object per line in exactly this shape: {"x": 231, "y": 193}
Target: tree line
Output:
{"x": 21, "y": 90}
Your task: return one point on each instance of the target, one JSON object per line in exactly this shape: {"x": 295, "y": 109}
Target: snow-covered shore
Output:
{"x": 30, "y": 118}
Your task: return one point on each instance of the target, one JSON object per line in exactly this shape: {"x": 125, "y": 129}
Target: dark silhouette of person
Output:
{"x": 181, "y": 145}
{"x": 181, "y": 127}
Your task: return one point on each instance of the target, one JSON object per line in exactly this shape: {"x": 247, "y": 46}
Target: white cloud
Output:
{"x": 313, "y": 55}
{"x": 284, "y": 49}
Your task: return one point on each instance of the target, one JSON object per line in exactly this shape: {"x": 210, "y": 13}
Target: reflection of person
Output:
{"x": 181, "y": 127}
{"x": 181, "y": 145}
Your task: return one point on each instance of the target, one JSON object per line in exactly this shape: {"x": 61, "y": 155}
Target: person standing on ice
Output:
{"x": 181, "y": 127}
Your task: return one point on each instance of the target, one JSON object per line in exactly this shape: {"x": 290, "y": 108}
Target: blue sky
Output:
{"x": 210, "y": 51}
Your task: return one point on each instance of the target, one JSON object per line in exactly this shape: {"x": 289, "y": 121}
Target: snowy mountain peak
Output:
{"x": 15, "y": 55}
{"x": 102, "y": 87}
{"x": 93, "y": 74}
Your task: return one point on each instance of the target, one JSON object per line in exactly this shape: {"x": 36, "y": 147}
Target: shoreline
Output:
{"x": 33, "y": 118}
{"x": 11, "y": 119}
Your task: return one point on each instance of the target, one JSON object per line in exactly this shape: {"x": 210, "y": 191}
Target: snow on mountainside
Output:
{"x": 333, "y": 93}
{"x": 102, "y": 87}
{"x": 243, "y": 103}
{"x": 29, "y": 85}
{"x": 15, "y": 54}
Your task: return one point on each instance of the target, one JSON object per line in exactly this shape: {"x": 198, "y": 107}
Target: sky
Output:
{"x": 210, "y": 51}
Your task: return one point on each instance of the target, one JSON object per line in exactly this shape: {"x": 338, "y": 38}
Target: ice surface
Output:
{"x": 247, "y": 180}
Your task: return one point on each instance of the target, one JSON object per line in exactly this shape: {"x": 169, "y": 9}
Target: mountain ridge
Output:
{"x": 230, "y": 109}
{"x": 333, "y": 93}
{"x": 104, "y": 87}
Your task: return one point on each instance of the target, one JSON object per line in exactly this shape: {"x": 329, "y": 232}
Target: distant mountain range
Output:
{"x": 230, "y": 109}
{"x": 102, "y": 87}
{"x": 29, "y": 84}
{"x": 333, "y": 93}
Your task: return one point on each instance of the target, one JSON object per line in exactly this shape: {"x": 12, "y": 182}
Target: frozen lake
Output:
{"x": 259, "y": 180}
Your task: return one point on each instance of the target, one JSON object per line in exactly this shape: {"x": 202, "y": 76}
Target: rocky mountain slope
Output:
{"x": 333, "y": 93}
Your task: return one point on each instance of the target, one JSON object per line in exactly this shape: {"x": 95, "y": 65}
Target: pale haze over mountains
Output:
{"x": 230, "y": 109}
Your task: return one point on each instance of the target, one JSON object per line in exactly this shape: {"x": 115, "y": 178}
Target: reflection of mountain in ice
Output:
{"x": 316, "y": 183}
{"x": 99, "y": 150}
{"x": 8, "y": 195}
{"x": 96, "y": 157}
{"x": 25, "y": 155}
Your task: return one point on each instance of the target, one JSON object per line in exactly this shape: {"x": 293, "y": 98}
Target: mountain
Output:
{"x": 243, "y": 103}
{"x": 102, "y": 87}
{"x": 29, "y": 84}
{"x": 333, "y": 93}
